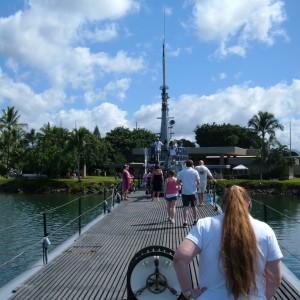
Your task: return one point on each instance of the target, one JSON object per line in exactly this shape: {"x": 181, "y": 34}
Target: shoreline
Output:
{"x": 102, "y": 186}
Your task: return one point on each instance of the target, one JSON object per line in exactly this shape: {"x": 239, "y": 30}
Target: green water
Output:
{"x": 22, "y": 226}
{"x": 284, "y": 218}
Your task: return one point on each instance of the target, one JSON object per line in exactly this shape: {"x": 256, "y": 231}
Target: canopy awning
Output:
{"x": 240, "y": 167}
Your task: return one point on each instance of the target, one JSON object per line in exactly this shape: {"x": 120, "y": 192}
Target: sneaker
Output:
{"x": 172, "y": 221}
{"x": 195, "y": 222}
{"x": 184, "y": 225}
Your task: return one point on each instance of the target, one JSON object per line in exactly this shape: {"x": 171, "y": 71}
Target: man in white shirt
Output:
{"x": 157, "y": 147}
{"x": 190, "y": 179}
{"x": 203, "y": 173}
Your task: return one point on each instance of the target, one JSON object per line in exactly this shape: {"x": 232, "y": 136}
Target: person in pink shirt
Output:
{"x": 126, "y": 181}
{"x": 171, "y": 188}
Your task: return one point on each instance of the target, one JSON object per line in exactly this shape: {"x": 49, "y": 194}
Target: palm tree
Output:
{"x": 264, "y": 124}
{"x": 30, "y": 138}
{"x": 9, "y": 123}
{"x": 77, "y": 142}
{"x": 51, "y": 149}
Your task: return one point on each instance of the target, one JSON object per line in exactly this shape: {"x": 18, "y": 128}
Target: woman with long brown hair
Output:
{"x": 239, "y": 256}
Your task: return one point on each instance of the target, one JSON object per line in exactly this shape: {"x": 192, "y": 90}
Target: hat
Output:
{"x": 125, "y": 166}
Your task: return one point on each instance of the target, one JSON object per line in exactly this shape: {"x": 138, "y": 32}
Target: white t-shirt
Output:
{"x": 203, "y": 172}
{"x": 157, "y": 146}
{"x": 188, "y": 177}
{"x": 207, "y": 236}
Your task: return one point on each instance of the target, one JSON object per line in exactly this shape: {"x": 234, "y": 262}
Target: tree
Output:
{"x": 187, "y": 143}
{"x": 17, "y": 149}
{"x": 214, "y": 135}
{"x": 30, "y": 138}
{"x": 9, "y": 124}
{"x": 97, "y": 132}
{"x": 49, "y": 154}
{"x": 142, "y": 138}
{"x": 278, "y": 159}
{"x": 97, "y": 152}
{"x": 123, "y": 140}
{"x": 77, "y": 142}
{"x": 264, "y": 125}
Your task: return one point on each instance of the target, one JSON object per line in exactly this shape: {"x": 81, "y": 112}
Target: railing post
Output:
{"x": 140, "y": 176}
{"x": 265, "y": 213}
{"x": 45, "y": 223}
{"x": 100, "y": 202}
{"x": 79, "y": 213}
{"x": 214, "y": 197}
{"x": 46, "y": 242}
{"x": 118, "y": 196}
{"x": 104, "y": 206}
{"x": 113, "y": 196}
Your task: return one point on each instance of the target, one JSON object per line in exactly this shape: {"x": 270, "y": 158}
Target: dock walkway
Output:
{"x": 95, "y": 266}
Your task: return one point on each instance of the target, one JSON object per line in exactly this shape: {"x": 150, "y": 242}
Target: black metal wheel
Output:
{"x": 151, "y": 275}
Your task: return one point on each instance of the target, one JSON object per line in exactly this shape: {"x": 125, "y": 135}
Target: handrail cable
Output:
{"x": 52, "y": 233}
{"x": 20, "y": 223}
{"x": 10, "y": 260}
{"x": 277, "y": 211}
{"x": 270, "y": 207}
{"x": 63, "y": 205}
{"x": 67, "y": 224}
{"x": 296, "y": 257}
{"x": 39, "y": 214}
{"x": 57, "y": 207}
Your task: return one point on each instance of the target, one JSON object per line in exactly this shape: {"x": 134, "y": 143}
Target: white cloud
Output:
{"x": 174, "y": 53}
{"x": 50, "y": 40}
{"x": 27, "y": 100}
{"x": 168, "y": 10}
{"x": 235, "y": 24}
{"x": 112, "y": 90}
{"x": 235, "y": 105}
{"x": 38, "y": 39}
{"x": 119, "y": 87}
{"x": 106, "y": 116}
{"x": 104, "y": 34}
{"x": 89, "y": 9}
{"x": 222, "y": 76}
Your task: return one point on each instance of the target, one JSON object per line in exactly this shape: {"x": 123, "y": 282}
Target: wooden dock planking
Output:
{"x": 95, "y": 266}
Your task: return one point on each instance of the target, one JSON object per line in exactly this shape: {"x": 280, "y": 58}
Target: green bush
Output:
{"x": 46, "y": 185}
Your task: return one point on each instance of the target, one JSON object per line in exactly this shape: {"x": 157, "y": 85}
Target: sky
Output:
{"x": 90, "y": 63}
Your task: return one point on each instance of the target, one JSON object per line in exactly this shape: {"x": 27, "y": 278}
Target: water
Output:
{"x": 284, "y": 218}
{"x": 26, "y": 211}
{"x": 22, "y": 215}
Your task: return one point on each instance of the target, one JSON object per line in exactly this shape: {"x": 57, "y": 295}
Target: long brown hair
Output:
{"x": 238, "y": 245}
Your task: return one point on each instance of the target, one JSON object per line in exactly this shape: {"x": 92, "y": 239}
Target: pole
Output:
{"x": 45, "y": 223}
{"x": 80, "y": 213}
{"x": 265, "y": 213}
{"x": 46, "y": 242}
{"x": 290, "y": 138}
{"x": 114, "y": 195}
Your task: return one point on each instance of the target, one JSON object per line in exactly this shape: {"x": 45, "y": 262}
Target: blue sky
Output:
{"x": 87, "y": 63}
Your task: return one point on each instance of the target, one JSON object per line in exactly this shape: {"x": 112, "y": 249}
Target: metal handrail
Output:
{"x": 107, "y": 204}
